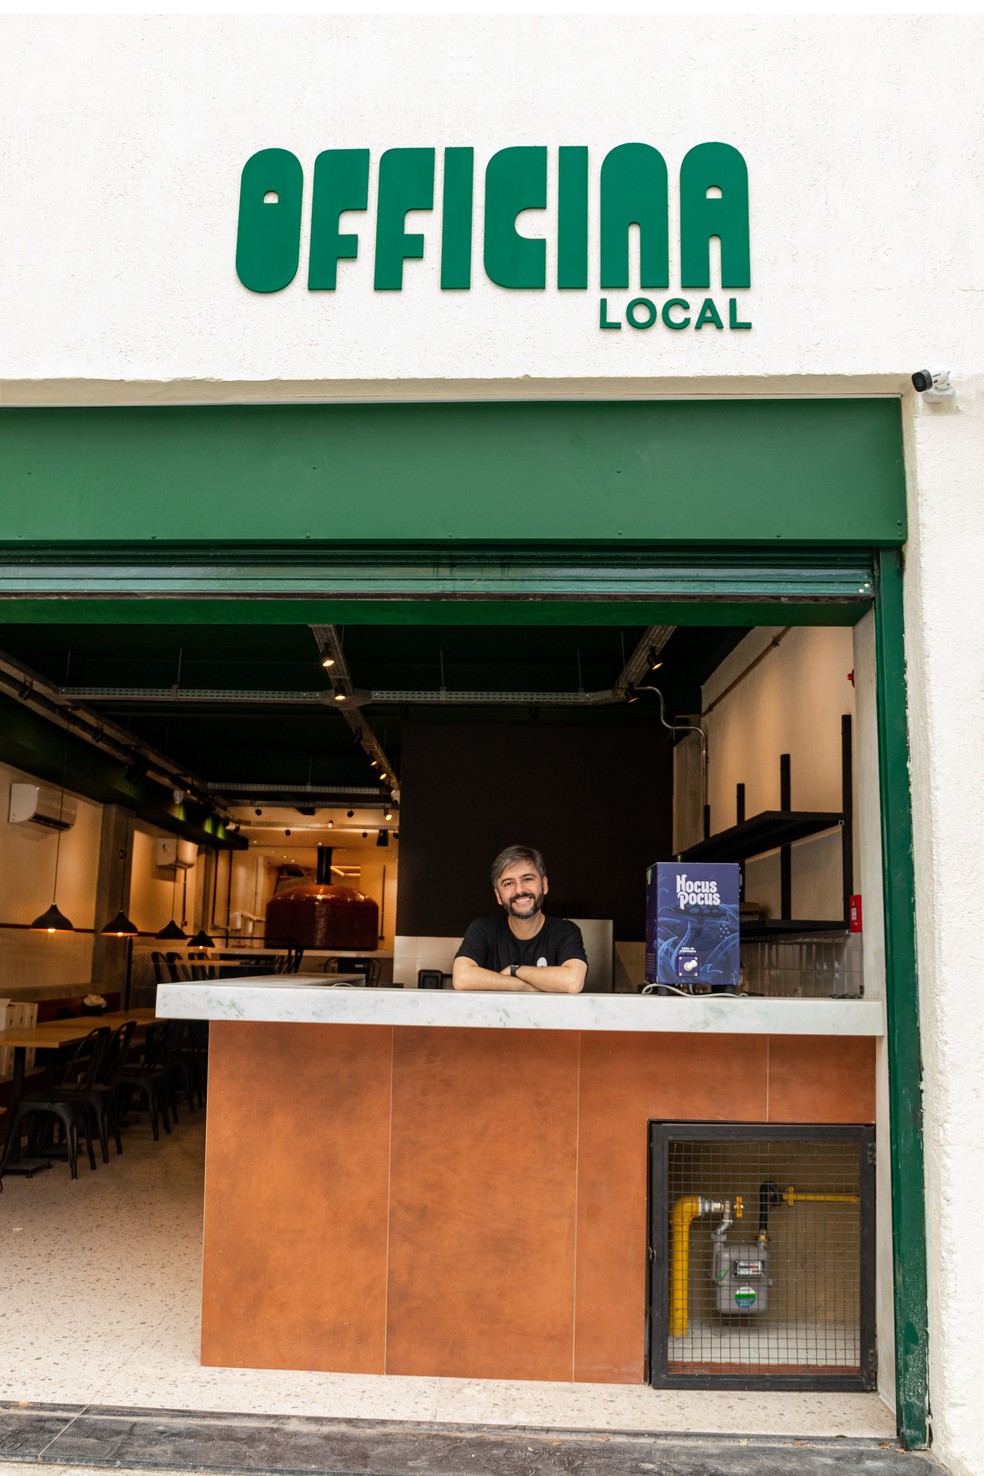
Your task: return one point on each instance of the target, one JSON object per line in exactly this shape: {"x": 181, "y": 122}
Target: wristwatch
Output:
{"x": 514, "y": 970}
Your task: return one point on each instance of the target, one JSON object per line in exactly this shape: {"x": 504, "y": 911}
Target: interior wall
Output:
{"x": 27, "y": 873}
{"x": 596, "y": 800}
{"x": 792, "y": 702}
{"x": 153, "y": 898}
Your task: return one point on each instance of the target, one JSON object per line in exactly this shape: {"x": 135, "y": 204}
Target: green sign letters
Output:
{"x": 633, "y": 192}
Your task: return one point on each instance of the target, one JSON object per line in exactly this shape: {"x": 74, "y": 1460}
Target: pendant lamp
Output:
{"x": 120, "y": 926}
{"x": 171, "y": 931}
{"x": 54, "y": 921}
{"x": 201, "y": 940}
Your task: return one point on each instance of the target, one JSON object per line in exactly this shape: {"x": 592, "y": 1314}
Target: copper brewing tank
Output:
{"x": 317, "y": 915}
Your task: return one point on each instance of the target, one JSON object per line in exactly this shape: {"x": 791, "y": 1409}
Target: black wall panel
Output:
{"x": 596, "y": 800}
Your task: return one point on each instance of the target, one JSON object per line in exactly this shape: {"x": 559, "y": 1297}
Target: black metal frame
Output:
{"x": 661, "y": 1134}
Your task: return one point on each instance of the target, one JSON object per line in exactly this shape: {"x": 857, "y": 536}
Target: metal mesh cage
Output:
{"x": 761, "y": 1256}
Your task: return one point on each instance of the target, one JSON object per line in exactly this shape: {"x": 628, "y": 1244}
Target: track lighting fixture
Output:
{"x": 388, "y": 813}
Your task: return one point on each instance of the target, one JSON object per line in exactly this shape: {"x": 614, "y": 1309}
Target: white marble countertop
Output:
{"x": 307, "y": 999}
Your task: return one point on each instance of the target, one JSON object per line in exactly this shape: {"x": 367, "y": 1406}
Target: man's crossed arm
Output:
{"x": 565, "y": 978}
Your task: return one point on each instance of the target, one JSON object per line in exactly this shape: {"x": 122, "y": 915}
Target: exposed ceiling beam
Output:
{"x": 643, "y": 659}
{"x": 239, "y": 695}
{"x": 354, "y": 697}
{"x": 333, "y": 660}
{"x": 63, "y": 710}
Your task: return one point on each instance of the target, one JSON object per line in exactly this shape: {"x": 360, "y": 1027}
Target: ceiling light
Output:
{"x": 172, "y": 931}
{"x": 350, "y": 813}
{"x": 286, "y": 832}
{"x": 52, "y": 921}
{"x": 327, "y": 661}
{"x": 120, "y": 927}
{"x": 339, "y": 696}
{"x": 201, "y": 940}
{"x": 388, "y": 813}
{"x": 331, "y": 825}
{"x": 364, "y": 834}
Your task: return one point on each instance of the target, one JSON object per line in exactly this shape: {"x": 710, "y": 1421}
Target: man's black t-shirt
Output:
{"x": 492, "y": 944}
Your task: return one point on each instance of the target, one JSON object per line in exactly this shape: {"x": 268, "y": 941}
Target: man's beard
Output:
{"x": 526, "y": 897}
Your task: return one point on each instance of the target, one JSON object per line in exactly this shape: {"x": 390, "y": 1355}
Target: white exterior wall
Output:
{"x": 124, "y": 142}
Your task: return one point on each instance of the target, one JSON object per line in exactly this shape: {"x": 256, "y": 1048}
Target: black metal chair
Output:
{"x": 64, "y": 1102}
{"x": 102, "y": 1095}
{"x": 153, "y": 1077}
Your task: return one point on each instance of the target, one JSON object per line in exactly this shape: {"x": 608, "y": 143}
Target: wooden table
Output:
{"x": 50, "y": 1035}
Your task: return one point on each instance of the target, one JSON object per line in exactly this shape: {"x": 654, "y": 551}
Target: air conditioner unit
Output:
{"x": 174, "y": 854}
{"x": 39, "y": 805}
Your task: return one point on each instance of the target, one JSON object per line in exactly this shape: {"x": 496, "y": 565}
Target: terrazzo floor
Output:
{"x": 99, "y": 1306}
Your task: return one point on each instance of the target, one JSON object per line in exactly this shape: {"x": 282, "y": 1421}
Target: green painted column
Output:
{"x": 902, "y": 1002}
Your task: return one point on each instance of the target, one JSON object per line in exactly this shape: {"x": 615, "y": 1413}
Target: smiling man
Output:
{"x": 521, "y": 948}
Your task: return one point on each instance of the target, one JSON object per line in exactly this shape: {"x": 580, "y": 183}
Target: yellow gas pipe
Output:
{"x": 686, "y": 1209}
{"x": 798, "y": 1196}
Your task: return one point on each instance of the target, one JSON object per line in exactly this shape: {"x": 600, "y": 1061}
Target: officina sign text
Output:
{"x": 633, "y": 192}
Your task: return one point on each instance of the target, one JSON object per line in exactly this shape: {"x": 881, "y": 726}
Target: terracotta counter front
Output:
{"x": 471, "y": 1202}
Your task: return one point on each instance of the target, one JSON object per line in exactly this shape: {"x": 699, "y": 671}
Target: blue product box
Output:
{"x": 692, "y": 924}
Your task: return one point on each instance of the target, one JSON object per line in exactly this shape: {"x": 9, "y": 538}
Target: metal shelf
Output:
{"x": 765, "y": 832}
{"x": 784, "y": 927}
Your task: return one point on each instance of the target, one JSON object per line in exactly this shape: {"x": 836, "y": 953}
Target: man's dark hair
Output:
{"x": 511, "y": 855}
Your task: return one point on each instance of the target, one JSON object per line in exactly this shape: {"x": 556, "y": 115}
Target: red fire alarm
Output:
{"x": 854, "y": 914}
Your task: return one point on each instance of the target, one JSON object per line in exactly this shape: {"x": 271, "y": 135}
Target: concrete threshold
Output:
{"x": 72, "y": 1437}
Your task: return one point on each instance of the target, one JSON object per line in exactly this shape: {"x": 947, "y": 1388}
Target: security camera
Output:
{"x": 935, "y": 384}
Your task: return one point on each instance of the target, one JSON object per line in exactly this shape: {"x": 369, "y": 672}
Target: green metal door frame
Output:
{"x": 138, "y": 515}
{"x": 902, "y": 1006}
{"x": 748, "y": 591}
